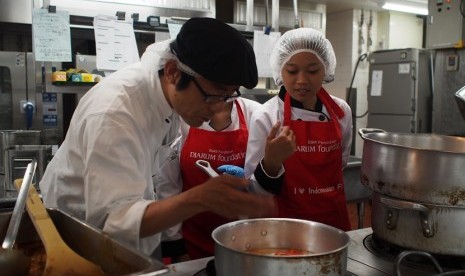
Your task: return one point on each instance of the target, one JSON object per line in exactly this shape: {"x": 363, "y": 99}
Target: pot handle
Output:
{"x": 426, "y": 219}
{"x": 402, "y": 204}
{"x": 364, "y": 131}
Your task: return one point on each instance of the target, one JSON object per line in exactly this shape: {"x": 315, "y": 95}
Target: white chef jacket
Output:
{"x": 168, "y": 180}
{"x": 271, "y": 112}
{"x": 102, "y": 173}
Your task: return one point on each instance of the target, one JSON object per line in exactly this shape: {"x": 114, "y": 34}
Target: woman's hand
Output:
{"x": 280, "y": 145}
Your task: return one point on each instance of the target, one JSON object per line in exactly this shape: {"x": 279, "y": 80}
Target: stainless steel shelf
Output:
{"x": 68, "y": 89}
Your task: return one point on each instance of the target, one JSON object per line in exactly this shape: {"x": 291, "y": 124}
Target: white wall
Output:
{"x": 399, "y": 30}
{"x": 340, "y": 35}
{"x": 350, "y": 39}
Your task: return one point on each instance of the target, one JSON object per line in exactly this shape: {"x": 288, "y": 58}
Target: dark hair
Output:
{"x": 183, "y": 81}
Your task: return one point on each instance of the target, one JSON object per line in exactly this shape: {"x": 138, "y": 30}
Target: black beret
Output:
{"x": 216, "y": 51}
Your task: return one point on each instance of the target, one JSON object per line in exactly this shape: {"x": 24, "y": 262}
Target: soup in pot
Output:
{"x": 278, "y": 251}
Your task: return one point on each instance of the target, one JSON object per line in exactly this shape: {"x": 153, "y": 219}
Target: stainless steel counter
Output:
{"x": 188, "y": 268}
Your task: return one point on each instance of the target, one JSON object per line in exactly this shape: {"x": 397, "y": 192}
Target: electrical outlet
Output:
{"x": 452, "y": 63}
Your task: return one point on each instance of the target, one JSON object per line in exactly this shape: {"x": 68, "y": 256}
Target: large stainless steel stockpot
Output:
{"x": 235, "y": 242}
{"x": 433, "y": 228}
{"x": 424, "y": 168}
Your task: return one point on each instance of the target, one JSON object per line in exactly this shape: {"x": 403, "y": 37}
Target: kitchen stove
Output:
{"x": 367, "y": 256}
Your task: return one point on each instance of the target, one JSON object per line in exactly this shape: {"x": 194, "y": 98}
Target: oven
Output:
{"x": 21, "y": 107}
{"x": 30, "y": 122}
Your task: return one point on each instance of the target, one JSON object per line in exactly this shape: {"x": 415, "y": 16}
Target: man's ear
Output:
{"x": 172, "y": 72}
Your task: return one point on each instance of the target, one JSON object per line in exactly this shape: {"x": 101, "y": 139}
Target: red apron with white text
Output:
{"x": 218, "y": 148}
{"x": 313, "y": 184}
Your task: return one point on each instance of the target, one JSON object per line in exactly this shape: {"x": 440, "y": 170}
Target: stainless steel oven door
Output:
{"x": 13, "y": 89}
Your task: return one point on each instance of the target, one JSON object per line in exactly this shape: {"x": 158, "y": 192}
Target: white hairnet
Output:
{"x": 162, "y": 52}
{"x": 302, "y": 40}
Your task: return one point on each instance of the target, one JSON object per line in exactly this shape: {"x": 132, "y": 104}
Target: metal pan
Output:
{"x": 425, "y": 168}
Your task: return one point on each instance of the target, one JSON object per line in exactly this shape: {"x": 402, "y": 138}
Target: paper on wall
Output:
{"x": 404, "y": 68}
{"x": 263, "y": 45}
{"x": 161, "y": 36}
{"x": 174, "y": 29}
{"x": 115, "y": 43}
{"x": 51, "y": 35}
{"x": 376, "y": 83}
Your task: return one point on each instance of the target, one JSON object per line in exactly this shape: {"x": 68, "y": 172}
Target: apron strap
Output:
{"x": 240, "y": 114}
{"x": 330, "y": 103}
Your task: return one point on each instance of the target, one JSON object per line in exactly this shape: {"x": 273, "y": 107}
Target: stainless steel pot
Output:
{"x": 460, "y": 100}
{"x": 326, "y": 246}
{"x": 424, "y": 168}
{"x": 433, "y": 228}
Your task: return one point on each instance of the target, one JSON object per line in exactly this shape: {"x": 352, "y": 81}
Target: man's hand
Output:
{"x": 225, "y": 196}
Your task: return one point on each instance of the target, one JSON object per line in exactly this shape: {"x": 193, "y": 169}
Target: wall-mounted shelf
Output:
{"x": 68, "y": 88}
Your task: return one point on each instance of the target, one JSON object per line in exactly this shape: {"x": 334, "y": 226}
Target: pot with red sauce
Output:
{"x": 279, "y": 246}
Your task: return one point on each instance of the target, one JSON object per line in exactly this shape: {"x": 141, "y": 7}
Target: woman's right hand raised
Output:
{"x": 280, "y": 145}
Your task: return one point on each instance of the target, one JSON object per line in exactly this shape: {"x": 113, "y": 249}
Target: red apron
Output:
{"x": 313, "y": 183}
{"x": 219, "y": 148}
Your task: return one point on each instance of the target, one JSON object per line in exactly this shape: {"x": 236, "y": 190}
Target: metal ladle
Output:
{"x": 12, "y": 261}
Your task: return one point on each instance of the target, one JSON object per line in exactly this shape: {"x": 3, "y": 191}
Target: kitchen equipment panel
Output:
{"x": 399, "y": 90}
{"x": 21, "y": 107}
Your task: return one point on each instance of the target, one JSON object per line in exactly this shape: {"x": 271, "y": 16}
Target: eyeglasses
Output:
{"x": 209, "y": 98}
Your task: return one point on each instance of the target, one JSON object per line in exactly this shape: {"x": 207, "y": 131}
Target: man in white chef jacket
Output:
{"x": 102, "y": 173}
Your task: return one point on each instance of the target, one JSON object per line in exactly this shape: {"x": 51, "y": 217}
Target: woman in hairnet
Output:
{"x": 300, "y": 140}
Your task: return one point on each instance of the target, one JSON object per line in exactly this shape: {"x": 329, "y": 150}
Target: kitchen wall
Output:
{"x": 352, "y": 36}
{"x": 398, "y": 30}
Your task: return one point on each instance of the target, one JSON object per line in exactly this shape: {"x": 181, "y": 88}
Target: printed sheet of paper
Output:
{"x": 115, "y": 43}
{"x": 376, "y": 83}
{"x": 174, "y": 29}
{"x": 263, "y": 45}
{"x": 161, "y": 36}
{"x": 52, "y": 36}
